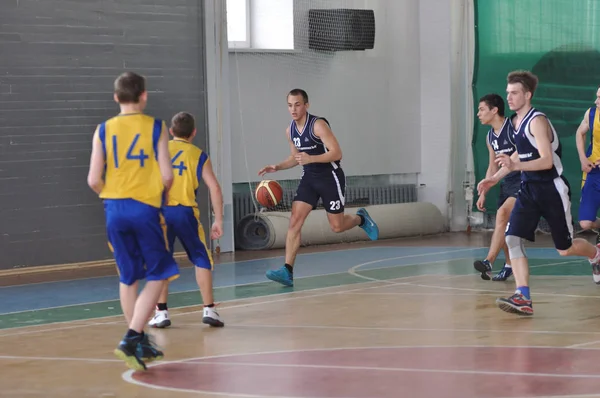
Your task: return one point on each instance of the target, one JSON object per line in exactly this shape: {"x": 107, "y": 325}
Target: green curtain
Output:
{"x": 558, "y": 40}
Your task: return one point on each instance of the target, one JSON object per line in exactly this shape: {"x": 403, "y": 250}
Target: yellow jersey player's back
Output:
{"x": 130, "y": 146}
{"x": 131, "y": 152}
{"x": 190, "y": 164}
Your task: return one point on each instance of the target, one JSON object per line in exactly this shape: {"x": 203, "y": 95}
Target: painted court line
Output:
{"x": 394, "y": 369}
{"x": 128, "y": 375}
{"x": 257, "y": 283}
{"x": 400, "y": 329}
{"x": 264, "y": 302}
{"x": 53, "y": 359}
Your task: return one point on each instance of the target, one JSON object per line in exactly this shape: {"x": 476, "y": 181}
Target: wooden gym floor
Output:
{"x": 403, "y": 318}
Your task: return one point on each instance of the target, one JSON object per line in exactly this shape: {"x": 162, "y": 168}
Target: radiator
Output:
{"x": 356, "y": 196}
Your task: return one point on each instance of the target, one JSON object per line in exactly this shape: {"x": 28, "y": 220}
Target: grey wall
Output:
{"x": 58, "y": 61}
{"x": 371, "y": 98}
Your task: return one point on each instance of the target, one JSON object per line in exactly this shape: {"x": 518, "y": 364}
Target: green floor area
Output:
{"x": 555, "y": 267}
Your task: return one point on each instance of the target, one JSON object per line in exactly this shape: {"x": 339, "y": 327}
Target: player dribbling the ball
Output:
{"x": 314, "y": 146}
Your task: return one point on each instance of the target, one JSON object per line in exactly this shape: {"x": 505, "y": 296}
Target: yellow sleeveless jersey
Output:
{"x": 130, "y": 151}
{"x": 188, "y": 161}
{"x": 593, "y": 150}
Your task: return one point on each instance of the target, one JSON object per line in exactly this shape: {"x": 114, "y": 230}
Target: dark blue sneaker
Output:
{"x": 146, "y": 350}
{"x": 516, "y": 304}
{"x": 127, "y": 350}
{"x": 485, "y": 268}
{"x": 504, "y": 274}
{"x": 370, "y": 227}
{"x": 281, "y": 275}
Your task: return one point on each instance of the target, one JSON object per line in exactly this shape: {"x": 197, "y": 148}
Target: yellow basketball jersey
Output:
{"x": 593, "y": 150}
{"x": 130, "y": 151}
{"x": 188, "y": 161}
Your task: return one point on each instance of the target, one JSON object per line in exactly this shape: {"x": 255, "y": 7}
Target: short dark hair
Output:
{"x": 525, "y": 77}
{"x": 183, "y": 125}
{"x": 299, "y": 91}
{"x": 494, "y": 101}
{"x": 129, "y": 87}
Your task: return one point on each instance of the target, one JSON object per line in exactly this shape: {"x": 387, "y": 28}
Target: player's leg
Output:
{"x": 304, "y": 202}
{"x": 501, "y": 223}
{"x": 191, "y": 234}
{"x": 161, "y": 314}
{"x": 557, "y": 212}
{"x": 160, "y": 267}
{"x": 589, "y": 205}
{"x": 522, "y": 224}
{"x": 332, "y": 190}
{"x": 506, "y": 201}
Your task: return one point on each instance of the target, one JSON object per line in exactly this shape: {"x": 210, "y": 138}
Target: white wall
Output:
{"x": 370, "y": 97}
{"x": 400, "y": 108}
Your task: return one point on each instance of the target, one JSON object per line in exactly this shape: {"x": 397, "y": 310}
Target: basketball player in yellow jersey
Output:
{"x": 590, "y": 162}
{"x": 131, "y": 150}
{"x": 190, "y": 164}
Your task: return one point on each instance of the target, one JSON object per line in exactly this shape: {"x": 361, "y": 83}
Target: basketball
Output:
{"x": 269, "y": 193}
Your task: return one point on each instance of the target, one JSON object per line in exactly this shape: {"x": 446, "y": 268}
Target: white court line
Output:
{"x": 53, "y": 359}
{"x": 265, "y": 302}
{"x": 400, "y": 329}
{"x": 580, "y": 345}
{"x": 256, "y": 283}
{"x": 128, "y": 375}
{"x": 393, "y": 369}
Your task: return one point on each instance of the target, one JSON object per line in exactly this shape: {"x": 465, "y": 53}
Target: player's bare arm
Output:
{"x": 487, "y": 183}
{"x": 216, "y": 198}
{"x": 334, "y": 152}
{"x": 95, "y": 180}
{"x": 492, "y": 165}
{"x": 164, "y": 159}
{"x": 582, "y": 130}
{"x": 540, "y": 129}
{"x": 287, "y": 163}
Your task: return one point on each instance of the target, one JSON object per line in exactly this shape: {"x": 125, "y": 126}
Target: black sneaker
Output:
{"x": 485, "y": 268}
{"x": 516, "y": 304}
{"x": 127, "y": 351}
{"x": 147, "y": 351}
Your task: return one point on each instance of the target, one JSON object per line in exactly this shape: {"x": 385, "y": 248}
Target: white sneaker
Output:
{"x": 212, "y": 317}
{"x": 160, "y": 319}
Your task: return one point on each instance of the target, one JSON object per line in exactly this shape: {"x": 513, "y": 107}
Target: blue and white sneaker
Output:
{"x": 281, "y": 275}
{"x": 504, "y": 274}
{"x": 370, "y": 227}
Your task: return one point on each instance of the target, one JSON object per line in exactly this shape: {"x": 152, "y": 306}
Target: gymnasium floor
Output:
{"x": 403, "y": 318}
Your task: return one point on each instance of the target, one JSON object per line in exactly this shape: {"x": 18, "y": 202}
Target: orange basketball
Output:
{"x": 269, "y": 193}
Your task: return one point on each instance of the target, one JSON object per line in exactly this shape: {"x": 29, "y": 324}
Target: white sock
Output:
{"x": 596, "y": 258}
{"x": 507, "y": 265}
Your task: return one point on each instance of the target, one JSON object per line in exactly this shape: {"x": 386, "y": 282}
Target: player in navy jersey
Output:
{"x": 499, "y": 140}
{"x": 313, "y": 146}
{"x": 544, "y": 190}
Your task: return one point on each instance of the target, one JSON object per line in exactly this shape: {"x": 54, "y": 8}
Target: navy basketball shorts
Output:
{"x": 183, "y": 223}
{"x": 548, "y": 199}
{"x": 329, "y": 186}
{"x": 509, "y": 188}
{"x": 138, "y": 239}
{"x": 590, "y": 198}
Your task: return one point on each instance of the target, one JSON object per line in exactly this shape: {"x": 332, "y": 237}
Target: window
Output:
{"x": 260, "y": 24}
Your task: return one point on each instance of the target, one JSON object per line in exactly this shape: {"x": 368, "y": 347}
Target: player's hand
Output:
{"x": 303, "y": 158}
{"x": 481, "y": 202}
{"x": 217, "y": 230}
{"x": 587, "y": 166}
{"x": 504, "y": 160}
{"x": 267, "y": 169}
{"x": 485, "y": 185}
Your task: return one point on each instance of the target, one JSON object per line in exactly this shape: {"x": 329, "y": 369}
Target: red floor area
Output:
{"x": 389, "y": 373}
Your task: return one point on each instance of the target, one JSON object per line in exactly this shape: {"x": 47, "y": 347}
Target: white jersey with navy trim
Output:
{"x": 306, "y": 141}
{"x": 528, "y": 151}
{"x": 504, "y": 143}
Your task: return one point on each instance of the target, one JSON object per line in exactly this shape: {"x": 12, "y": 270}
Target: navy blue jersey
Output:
{"x": 306, "y": 141}
{"x": 504, "y": 143}
{"x": 527, "y": 148}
